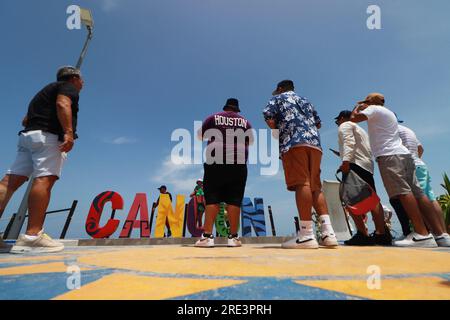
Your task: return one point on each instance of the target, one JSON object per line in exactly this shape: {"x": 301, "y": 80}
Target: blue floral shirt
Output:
{"x": 296, "y": 120}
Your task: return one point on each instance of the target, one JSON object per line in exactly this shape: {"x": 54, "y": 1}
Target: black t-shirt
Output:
{"x": 42, "y": 113}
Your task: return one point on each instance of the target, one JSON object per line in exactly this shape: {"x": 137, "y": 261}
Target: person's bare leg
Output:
{"x": 233, "y": 216}
{"x": 211, "y": 212}
{"x": 38, "y": 201}
{"x": 440, "y": 214}
{"x": 378, "y": 219}
{"x": 319, "y": 203}
{"x": 304, "y": 200}
{"x": 360, "y": 225}
{"x": 8, "y": 185}
{"x": 430, "y": 215}
{"x": 326, "y": 229}
{"x": 411, "y": 207}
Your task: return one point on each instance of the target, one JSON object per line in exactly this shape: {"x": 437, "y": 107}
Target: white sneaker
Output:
{"x": 234, "y": 242}
{"x": 443, "y": 240}
{"x": 301, "y": 242}
{"x": 416, "y": 240}
{"x": 43, "y": 244}
{"x": 328, "y": 240}
{"x": 205, "y": 242}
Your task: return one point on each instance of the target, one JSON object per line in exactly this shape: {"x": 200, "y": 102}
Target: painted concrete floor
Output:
{"x": 250, "y": 272}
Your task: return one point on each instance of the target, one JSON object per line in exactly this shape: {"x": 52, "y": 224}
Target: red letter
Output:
{"x": 139, "y": 204}
{"x": 95, "y": 212}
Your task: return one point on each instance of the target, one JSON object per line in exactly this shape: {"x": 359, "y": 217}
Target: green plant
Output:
{"x": 444, "y": 201}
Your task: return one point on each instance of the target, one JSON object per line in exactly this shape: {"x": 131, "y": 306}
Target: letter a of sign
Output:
{"x": 139, "y": 205}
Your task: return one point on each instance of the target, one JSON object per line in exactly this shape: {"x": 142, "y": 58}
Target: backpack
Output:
{"x": 356, "y": 195}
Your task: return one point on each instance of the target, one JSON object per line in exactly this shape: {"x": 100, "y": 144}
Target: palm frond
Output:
{"x": 446, "y": 184}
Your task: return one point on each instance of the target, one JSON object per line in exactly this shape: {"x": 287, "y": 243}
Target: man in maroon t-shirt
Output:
{"x": 229, "y": 135}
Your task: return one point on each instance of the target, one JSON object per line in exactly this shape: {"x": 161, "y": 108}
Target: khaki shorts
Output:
{"x": 302, "y": 168}
{"x": 399, "y": 175}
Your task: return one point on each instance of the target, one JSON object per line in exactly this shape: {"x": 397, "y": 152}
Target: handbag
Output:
{"x": 356, "y": 195}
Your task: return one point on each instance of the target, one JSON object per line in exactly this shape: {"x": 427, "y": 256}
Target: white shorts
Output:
{"x": 38, "y": 155}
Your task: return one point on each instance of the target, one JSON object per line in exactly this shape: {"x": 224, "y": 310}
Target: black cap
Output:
{"x": 344, "y": 114}
{"x": 232, "y": 103}
{"x": 285, "y": 84}
{"x": 162, "y": 187}
{"x": 67, "y": 71}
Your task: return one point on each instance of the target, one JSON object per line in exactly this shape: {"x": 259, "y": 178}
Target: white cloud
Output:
{"x": 122, "y": 140}
{"x": 179, "y": 178}
{"x": 428, "y": 132}
{"x": 109, "y": 5}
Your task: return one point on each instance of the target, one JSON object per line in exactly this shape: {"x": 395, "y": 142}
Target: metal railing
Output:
{"x": 71, "y": 211}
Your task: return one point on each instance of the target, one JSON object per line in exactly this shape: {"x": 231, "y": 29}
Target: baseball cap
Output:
{"x": 233, "y": 104}
{"x": 162, "y": 187}
{"x": 344, "y": 114}
{"x": 66, "y": 71}
{"x": 374, "y": 98}
{"x": 283, "y": 84}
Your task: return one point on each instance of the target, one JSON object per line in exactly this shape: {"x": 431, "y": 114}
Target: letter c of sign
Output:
{"x": 95, "y": 213}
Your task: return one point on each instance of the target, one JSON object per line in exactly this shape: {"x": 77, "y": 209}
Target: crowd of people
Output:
{"x": 394, "y": 147}
{"x": 50, "y": 130}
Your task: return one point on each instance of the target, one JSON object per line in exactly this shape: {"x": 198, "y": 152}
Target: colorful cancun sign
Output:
{"x": 252, "y": 217}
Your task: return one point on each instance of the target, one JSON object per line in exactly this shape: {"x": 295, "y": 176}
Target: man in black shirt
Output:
{"x": 49, "y": 134}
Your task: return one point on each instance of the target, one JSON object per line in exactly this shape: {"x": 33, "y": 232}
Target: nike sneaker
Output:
{"x": 416, "y": 240}
{"x": 328, "y": 240}
{"x": 443, "y": 240}
{"x": 301, "y": 242}
{"x": 206, "y": 241}
{"x": 234, "y": 241}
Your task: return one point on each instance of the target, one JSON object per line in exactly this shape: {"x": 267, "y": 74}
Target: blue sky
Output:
{"x": 155, "y": 66}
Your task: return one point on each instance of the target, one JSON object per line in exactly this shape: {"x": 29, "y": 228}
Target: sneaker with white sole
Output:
{"x": 443, "y": 240}
{"x": 206, "y": 241}
{"x": 301, "y": 242}
{"x": 328, "y": 240}
{"x": 234, "y": 241}
{"x": 416, "y": 240}
{"x": 42, "y": 244}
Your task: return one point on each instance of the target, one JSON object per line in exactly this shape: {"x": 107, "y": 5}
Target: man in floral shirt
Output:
{"x": 301, "y": 154}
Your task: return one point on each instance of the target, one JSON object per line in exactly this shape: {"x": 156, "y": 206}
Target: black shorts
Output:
{"x": 224, "y": 183}
{"x": 364, "y": 174}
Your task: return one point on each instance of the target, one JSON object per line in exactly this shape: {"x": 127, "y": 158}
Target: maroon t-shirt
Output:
{"x": 229, "y": 135}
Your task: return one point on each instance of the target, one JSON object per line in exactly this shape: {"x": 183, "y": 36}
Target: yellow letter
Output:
{"x": 176, "y": 219}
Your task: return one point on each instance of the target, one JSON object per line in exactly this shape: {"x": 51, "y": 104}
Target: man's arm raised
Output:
{"x": 357, "y": 116}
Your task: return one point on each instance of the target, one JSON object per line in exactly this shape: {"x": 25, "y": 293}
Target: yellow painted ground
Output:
{"x": 272, "y": 262}
{"x": 415, "y": 288}
{"x": 132, "y": 287}
{"x": 36, "y": 268}
{"x": 253, "y": 271}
